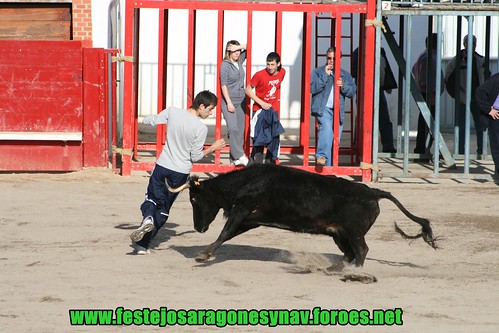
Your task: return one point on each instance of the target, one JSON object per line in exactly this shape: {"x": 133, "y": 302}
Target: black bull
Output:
{"x": 295, "y": 200}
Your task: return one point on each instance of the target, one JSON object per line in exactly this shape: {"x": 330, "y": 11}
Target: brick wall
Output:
{"x": 82, "y": 21}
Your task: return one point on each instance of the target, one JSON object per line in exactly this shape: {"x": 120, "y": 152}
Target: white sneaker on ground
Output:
{"x": 140, "y": 250}
{"x": 243, "y": 160}
{"x": 146, "y": 226}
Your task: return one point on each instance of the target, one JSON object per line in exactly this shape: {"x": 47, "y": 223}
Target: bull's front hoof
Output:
{"x": 203, "y": 256}
{"x": 337, "y": 266}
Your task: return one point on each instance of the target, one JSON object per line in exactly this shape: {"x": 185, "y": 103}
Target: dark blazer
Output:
{"x": 486, "y": 95}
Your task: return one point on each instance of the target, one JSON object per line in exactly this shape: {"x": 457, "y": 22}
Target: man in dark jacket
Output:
{"x": 487, "y": 98}
{"x": 427, "y": 87}
{"x": 457, "y": 68}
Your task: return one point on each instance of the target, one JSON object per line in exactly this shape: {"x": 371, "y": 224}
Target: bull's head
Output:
{"x": 203, "y": 201}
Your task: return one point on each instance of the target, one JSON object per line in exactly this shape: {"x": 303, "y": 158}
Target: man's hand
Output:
{"x": 266, "y": 106}
{"x": 219, "y": 144}
{"x": 329, "y": 70}
{"x": 339, "y": 82}
{"x": 494, "y": 113}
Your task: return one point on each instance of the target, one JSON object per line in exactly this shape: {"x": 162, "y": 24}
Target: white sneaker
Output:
{"x": 243, "y": 160}
{"x": 146, "y": 226}
{"x": 140, "y": 250}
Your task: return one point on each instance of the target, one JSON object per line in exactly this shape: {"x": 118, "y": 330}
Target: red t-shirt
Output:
{"x": 268, "y": 87}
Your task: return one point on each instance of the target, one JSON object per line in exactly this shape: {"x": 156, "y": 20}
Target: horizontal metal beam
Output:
{"x": 440, "y": 12}
{"x": 267, "y": 6}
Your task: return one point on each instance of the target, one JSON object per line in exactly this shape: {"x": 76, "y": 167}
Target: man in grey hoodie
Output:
{"x": 185, "y": 137}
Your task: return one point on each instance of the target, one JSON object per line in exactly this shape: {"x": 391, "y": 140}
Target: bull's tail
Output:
{"x": 426, "y": 231}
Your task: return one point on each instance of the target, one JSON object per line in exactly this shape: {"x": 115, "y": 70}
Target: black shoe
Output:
{"x": 257, "y": 159}
{"x": 421, "y": 160}
{"x": 495, "y": 178}
{"x": 391, "y": 150}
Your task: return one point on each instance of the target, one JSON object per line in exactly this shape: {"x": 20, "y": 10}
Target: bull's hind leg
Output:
{"x": 358, "y": 217}
{"x": 360, "y": 249}
{"x": 344, "y": 246}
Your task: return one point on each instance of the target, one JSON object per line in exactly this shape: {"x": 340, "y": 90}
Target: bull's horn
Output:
{"x": 178, "y": 189}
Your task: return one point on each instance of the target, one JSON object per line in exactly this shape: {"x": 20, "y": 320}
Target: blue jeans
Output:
{"x": 325, "y": 135}
{"x": 159, "y": 200}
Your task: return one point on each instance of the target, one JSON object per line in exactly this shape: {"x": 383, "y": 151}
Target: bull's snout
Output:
{"x": 201, "y": 229}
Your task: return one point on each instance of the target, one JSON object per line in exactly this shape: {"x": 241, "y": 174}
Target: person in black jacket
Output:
{"x": 487, "y": 98}
{"x": 387, "y": 84}
{"x": 456, "y": 77}
{"x": 427, "y": 86}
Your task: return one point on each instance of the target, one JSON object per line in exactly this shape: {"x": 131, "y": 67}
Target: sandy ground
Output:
{"x": 65, "y": 246}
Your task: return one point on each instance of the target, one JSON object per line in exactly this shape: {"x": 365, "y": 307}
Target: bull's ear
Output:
{"x": 195, "y": 181}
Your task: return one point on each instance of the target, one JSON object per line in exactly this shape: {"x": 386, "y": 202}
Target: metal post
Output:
{"x": 306, "y": 73}
{"x": 407, "y": 93}
{"x": 438, "y": 83}
{"x": 377, "y": 56}
{"x": 469, "y": 67}
{"x": 337, "y": 75}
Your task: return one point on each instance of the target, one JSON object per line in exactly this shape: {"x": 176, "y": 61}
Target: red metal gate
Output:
{"x": 131, "y": 70}
{"x": 53, "y": 114}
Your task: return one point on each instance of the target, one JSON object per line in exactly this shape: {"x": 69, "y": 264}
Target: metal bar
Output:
{"x": 114, "y": 114}
{"x": 353, "y": 155}
{"x": 162, "y": 76}
{"x": 254, "y": 6}
{"x": 220, "y": 55}
{"x": 407, "y": 90}
{"x": 249, "y": 48}
{"x": 306, "y": 73}
{"x": 438, "y": 83}
{"x": 191, "y": 56}
{"x": 135, "y": 113}
{"x": 487, "y": 74}
{"x": 457, "y": 86}
{"x": 401, "y": 84}
{"x": 129, "y": 95}
{"x": 278, "y": 49}
{"x": 337, "y": 75}
{"x": 368, "y": 94}
{"x": 360, "y": 87}
{"x": 467, "y": 122}
{"x": 377, "y": 55}
{"x": 485, "y": 11}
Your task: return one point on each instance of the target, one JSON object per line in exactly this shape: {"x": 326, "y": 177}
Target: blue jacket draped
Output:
{"x": 267, "y": 131}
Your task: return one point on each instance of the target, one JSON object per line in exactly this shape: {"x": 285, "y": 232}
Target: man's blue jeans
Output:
{"x": 325, "y": 135}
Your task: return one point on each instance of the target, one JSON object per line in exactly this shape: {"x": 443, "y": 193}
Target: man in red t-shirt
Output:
{"x": 267, "y": 85}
